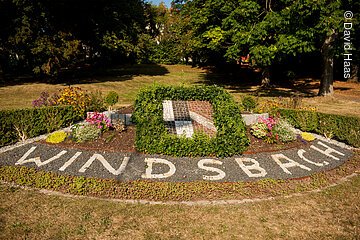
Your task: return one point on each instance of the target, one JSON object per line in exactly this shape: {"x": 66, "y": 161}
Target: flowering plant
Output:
{"x": 273, "y": 130}
{"x": 99, "y": 119}
{"x": 45, "y": 100}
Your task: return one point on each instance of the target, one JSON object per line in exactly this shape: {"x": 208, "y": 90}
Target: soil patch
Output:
{"x": 113, "y": 141}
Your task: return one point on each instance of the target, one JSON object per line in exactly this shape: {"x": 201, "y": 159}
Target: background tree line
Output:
{"x": 47, "y": 37}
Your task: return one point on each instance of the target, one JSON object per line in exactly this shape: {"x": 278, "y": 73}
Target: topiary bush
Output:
{"x": 342, "y": 128}
{"x": 152, "y": 136}
{"x": 111, "y": 99}
{"x": 249, "y": 103}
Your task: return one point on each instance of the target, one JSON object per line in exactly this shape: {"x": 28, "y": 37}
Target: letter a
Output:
{"x": 148, "y": 172}
{"x": 289, "y": 164}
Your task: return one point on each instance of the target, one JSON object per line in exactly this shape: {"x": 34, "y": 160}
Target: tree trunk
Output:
{"x": 265, "y": 77}
{"x": 354, "y": 73}
{"x": 327, "y": 79}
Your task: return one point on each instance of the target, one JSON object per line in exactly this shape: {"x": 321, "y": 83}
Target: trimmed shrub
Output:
{"x": 342, "y": 128}
{"x": 21, "y": 124}
{"x": 249, "y": 103}
{"x": 152, "y": 136}
{"x": 111, "y": 99}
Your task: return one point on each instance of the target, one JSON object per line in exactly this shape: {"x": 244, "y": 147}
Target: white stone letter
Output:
{"x": 260, "y": 172}
{"x": 70, "y": 161}
{"x": 221, "y": 174}
{"x": 149, "y": 168}
{"x": 328, "y": 151}
{"x": 37, "y": 160}
{"x": 301, "y": 155}
{"x": 289, "y": 164}
{"x": 105, "y": 164}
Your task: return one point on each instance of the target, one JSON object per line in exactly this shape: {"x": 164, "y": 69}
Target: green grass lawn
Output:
{"x": 127, "y": 81}
{"x": 333, "y": 213}
{"x": 329, "y": 214}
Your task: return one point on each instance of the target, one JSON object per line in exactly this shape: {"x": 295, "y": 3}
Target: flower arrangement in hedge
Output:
{"x": 95, "y": 124}
{"x": 153, "y": 138}
{"x": 81, "y": 100}
{"x": 100, "y": 120}
{"x": 273, "y": 130}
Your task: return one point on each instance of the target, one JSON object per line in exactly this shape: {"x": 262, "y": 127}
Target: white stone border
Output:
{"x": 328, "y": 140}
{"x": 34, "y": 139}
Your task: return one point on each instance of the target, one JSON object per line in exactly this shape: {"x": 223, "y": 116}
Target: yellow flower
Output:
{"x": 307, "y": 136}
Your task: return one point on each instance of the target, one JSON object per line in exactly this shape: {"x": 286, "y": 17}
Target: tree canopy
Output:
{"x": 46, "y": 37}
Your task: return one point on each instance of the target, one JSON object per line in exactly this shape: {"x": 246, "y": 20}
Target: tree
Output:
{"x": 270, "y": 32}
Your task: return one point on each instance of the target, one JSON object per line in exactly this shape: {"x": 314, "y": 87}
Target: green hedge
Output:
{"x": 342, "y": 128}
{"x": 21, "y": 124}
{"x": 152, "y": 136}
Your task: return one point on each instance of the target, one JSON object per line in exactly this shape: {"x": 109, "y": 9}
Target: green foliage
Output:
{"x": 85, "y": 132}
{"x": 111, "y": 98}
{"x": 284, "y": 131}
{"x": 95, "y": 102}
{"x": 21, "y": 124}
{"x": 56, "y": 137}
{"x": 249, "y": 103}
{"x": 259, "y": 130}
{"x": 152, "y": 136}
{"x": 342, "y": 128}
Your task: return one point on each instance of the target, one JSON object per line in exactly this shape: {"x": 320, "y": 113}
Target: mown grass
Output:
{"x": 127, "y": 80}
{"x": 333, "y": 213}
{"x": 329, "y": 214}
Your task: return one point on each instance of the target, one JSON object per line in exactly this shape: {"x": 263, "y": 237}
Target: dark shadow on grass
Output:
{"x": 248, "y": 81}
{"x": 89, "y": 74}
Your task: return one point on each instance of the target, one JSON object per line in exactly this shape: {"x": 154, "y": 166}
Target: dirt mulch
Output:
{"x": 113, "y": 141}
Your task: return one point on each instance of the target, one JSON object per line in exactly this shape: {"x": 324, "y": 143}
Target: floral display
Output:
{"x": 273, "y": 130}
{"x": 100, "y": 120}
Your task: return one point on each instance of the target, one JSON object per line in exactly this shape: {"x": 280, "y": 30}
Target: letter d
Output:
{"x": 148, "y": 172}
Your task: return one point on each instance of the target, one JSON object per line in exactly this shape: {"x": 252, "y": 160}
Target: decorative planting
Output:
{"x": 153, "y": 134}
{"x": 342, "y": 128}
{"x": 21, "y": 124}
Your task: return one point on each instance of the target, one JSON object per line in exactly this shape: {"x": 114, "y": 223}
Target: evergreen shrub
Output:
{"x": 153, "y": 138}
{"x": 21, "y": 124}
{"x": 342, "y": 128}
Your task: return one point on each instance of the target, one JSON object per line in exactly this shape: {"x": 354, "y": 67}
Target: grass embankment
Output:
{"x": 329, "y": 214}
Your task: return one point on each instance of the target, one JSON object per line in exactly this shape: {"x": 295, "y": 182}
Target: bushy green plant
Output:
{"x": 85, "y": 132}
{"x": 273, "y": 130}
{"x": 259, "y": 130}
{"x": 111, "y": 99}
{"x": 284, "y": 131}
{"x": 21, "y": 124}
{"x": 56, "y": 137}
{"x": 152, "y": 136}
{"x": 95, "y": 102}
{"x": 249, "y": 103}
{"x": 342, "y": 128}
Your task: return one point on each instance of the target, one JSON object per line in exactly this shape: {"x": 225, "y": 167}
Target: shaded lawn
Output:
{"x": 128, "y": 80}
